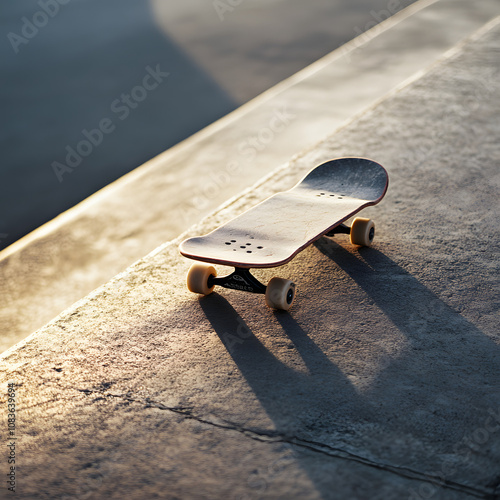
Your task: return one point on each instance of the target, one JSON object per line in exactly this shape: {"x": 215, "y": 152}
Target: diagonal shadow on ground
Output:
{"x": 438, "y": 389}
{"x": 449, "y": 368}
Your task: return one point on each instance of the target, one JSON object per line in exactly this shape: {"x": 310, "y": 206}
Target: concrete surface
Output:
{"x": 61, "y": 262}
{"x": 381, "y": 382}
{"x": 92, "y": 53}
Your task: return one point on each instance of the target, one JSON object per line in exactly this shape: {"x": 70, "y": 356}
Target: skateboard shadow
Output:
{"x": 301, "y": 403}
{"x": 441, "y": 387}
{"x": 449, "y": 366}
{"x": 282, "y": 390}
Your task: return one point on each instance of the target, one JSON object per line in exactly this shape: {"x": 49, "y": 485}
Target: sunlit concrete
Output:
{"x": 237, "y": 42}
{"x": 382, "y": 380}
{"x": 54, "y": 266}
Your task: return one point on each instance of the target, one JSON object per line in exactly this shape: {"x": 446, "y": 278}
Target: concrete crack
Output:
{"x": 325, "y": 449}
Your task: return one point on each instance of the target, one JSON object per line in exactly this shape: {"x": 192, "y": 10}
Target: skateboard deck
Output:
{"x": 274, "y": 231}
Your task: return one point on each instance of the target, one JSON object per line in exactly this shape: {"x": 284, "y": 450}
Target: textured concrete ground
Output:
{"x": 381, "y": 382}
{"x": 63, "y": 261}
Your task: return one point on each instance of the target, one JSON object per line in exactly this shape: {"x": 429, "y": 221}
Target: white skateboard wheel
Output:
{"x": 280, "y": 294}
{"x": 197, "y": 278}
{"x": 362, "y": 231}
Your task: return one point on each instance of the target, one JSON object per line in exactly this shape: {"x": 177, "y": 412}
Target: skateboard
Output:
{"x": 274, "y": 231}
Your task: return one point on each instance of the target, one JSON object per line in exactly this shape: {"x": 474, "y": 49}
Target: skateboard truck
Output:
{"x": 340, "y": 229}
{"x": 364, "y": 239}
{"x": 240, "y": 279}
{"x": 279, "y": 293}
